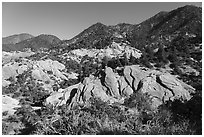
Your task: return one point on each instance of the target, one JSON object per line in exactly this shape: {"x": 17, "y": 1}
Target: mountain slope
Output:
{"x": 13, "y": 39}
{"x": 166, "y": 25}
{"x": 35, "y": 43}
{"x": 172, "y": 39}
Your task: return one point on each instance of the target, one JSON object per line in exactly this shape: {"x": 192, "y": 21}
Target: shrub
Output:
{"x": 138, "y": 100}
{"x": 101, "y": 118}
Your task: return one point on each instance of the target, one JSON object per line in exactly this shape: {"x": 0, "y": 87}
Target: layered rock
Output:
{"x": 113, "y": 50}
{"x": 111, "y": 82}
{"x": 43, "y": 70}
{"x": 40, "y": 69}
{"x": 160, "y": 87}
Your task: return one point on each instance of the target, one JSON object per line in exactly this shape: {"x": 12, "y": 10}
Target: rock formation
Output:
{"x": 9, "y": 104}
{"x": 160, "y": 87}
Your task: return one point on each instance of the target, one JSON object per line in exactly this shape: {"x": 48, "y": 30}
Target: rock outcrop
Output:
{"x": 9, "y": 104}
{"x": 111, "y": 82}
{"x": 40, "y": 69}
{"x": 160, "y": 87}
{"x": 113, "y": 50}
{"x": 43, "y": 70}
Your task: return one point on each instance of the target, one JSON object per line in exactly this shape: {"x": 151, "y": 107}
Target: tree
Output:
{"x": 125, "y": 60}
{"x": 144, "y": 60}
{"x": 149, "y": 52}
{"x": 161, "y": 54}
{"x": 105, "y": 61}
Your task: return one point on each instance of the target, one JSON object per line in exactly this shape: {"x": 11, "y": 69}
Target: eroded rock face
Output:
{"x": 9, "y": 104}
{"x": 124, "y": 89}
{"x": 133, "y": 74}
{"x": 113, "y": 50}
{"x": 111, "y": 82}
{"x": 160, "y": 87}
{"x": 44, "y": 70}
{"x": 43, "y": 66}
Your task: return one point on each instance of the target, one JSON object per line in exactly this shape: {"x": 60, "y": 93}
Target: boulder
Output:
{"x": 9, "y": 71}
{"x": 124, "y": 89}
{"x": 5, "y": 83}
{"x": 127, "y": 91}
{"x": 92, "y": 88}
{"x": 133, "y": 74}
{"x": 176, "y": 86}
{"x": 62, "y": 96}
{"x": 158, "y": 93}
{"x": 9, "y": 104}
{"x": 163, "y": 87}
{"x": 40, "y": 75}
{"x": 49, "y": 65}
{"x": 111, "y": 82}
{"x": 55, "y": 99}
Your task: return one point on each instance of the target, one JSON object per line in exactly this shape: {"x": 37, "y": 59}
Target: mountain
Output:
{"x": 89, "y": 37}
{"x": 173, "y": 37}
{"x": 13, "y": 39}
{"x": 35, "y": 43}
{"x": 165, "y": 25}
{"x": 121, "y": 79}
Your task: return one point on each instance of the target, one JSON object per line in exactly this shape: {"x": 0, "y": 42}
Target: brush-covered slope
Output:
{"x": 34, "y": 43}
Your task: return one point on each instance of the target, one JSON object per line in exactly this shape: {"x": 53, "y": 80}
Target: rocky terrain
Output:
{"x": 125, "y": 79}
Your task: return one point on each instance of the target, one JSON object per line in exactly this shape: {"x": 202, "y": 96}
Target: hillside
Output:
{"x": 124, "y": 79}
{"x": 163, "y": 27}
{"x": 16, "y": 38}
{"x": 34, "y": 43}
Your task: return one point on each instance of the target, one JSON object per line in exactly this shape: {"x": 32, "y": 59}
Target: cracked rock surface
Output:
{"x": 160, "y": 86}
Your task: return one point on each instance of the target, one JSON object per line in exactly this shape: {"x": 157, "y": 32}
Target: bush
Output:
{"x": 138, "y": 100}
{"x": 101, "y": 118}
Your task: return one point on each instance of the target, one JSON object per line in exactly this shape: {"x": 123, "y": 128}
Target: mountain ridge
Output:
{"x": 13, "y": 39}
{"x": 166, "y": 24}
{"x": 35, "y": 43}
{"x": 182, "y": 19}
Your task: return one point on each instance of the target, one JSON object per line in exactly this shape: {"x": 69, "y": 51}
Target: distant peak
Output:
{"x": 98, "y": 24}
{"x": 190, "y": 8}
{"x": 20, "y": 34}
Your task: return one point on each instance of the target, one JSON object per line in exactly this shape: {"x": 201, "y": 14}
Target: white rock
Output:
{"x": 9, "y": 104}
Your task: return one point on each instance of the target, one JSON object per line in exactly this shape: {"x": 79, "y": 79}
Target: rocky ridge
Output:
{"x": 160, "y": 86}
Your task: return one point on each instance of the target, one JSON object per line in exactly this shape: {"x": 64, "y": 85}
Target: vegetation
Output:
{"x": 101, "y": 118}
{"x": 161, "y": 46}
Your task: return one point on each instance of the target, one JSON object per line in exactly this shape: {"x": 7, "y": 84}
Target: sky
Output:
{"x": 67, "y": 19}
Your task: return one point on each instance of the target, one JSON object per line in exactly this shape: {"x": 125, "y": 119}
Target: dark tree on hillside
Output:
{"x": 132, "y": 59}
{"x": 144, "y": 60}
{"x": 126, "y": 61}
{"x": 161, "y": 54}
{"x": 118, "y": 62}
{"x": 80, "y": 72}
{"x": 105, "y": 61}
{"x": 150, "y": 53}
